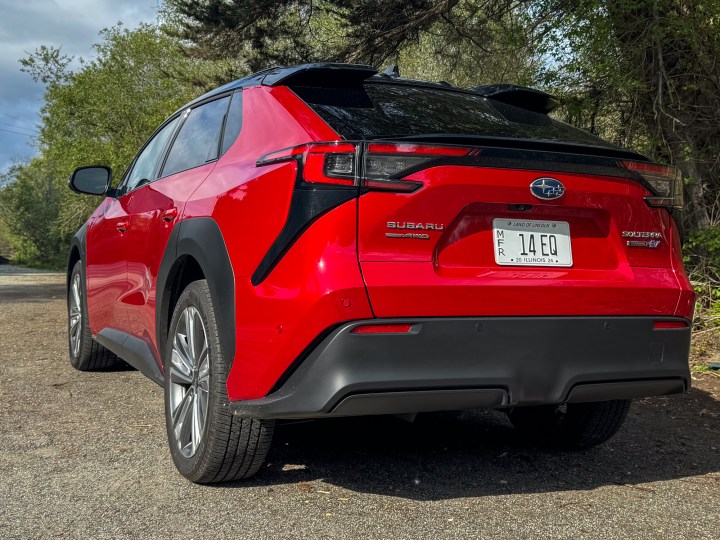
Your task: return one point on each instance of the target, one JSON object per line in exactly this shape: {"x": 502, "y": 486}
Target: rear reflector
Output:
{"x": 666, "y": 325}
{"x": 382, "y": 329}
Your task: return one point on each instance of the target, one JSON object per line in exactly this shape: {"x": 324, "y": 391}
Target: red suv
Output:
{"x": 325, "y": 240}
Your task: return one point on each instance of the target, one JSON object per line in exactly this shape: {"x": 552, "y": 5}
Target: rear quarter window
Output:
{"x": 198, "y": 141}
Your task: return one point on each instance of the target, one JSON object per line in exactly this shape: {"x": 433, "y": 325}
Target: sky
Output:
{"x": 27, "y": 24}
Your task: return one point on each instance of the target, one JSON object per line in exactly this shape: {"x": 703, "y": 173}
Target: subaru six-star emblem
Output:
{"x": 547, "y": 188}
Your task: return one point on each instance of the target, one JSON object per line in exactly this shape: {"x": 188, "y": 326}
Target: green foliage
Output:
{"x": 100, "y": 113}
{"x": 6, "y": 241}
{"x": 30, "y": 205}
{"x": 641, "y": 73}
{"x": 104, "y": 111}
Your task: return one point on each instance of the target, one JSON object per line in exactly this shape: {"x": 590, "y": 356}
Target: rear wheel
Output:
{"x": 572, "y": 426}
{"x": 85, "y": 353}
{"x": 207, "y": 442}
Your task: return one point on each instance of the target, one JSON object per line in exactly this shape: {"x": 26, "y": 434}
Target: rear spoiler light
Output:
{"x": 382, "y": 166}
{"x": 666, "y": 182}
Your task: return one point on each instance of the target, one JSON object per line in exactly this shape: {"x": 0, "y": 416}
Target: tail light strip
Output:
{"x": 382, "y": 167}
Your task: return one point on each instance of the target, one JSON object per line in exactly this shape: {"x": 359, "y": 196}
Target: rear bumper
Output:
{"x": 461, "y": 363}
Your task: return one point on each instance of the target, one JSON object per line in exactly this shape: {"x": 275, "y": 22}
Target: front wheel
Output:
{"x": 572, "y": 426}
{"x": 207, "y": 442}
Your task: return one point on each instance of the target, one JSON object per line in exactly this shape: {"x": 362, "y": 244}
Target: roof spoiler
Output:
{"x": 323, "y": 74}
{"x": 518, "y": 96}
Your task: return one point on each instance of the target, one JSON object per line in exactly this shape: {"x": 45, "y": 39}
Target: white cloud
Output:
{"x": 27, "y": 24}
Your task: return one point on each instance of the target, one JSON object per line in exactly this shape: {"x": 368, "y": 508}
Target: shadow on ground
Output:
{"x": 477, "y": 453}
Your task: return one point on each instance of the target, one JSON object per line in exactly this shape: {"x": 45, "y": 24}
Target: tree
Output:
{"x": 649, "y": 69}
{"x": 103, "y": 112}
{"x": 100, "y": 113}
{"x": 455, "y": 40}
{"x": 30, "y": 204}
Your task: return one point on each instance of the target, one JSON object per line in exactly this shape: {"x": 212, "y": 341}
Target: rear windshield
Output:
{"x": 382, "y": 110}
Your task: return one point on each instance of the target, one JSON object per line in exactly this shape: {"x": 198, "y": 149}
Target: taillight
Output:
{"x": 323, "y": 163}
{"x": 665, "y": 180}
{"x": 383, "y": 166}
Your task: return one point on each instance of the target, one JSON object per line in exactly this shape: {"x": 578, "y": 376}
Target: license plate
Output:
{"x": 525, "y": 242}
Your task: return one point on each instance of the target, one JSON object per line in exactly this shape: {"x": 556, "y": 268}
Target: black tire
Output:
{"x": 229, "y": 448}
{"x": 574, "y": 426}
{"x": 88, "y": 355}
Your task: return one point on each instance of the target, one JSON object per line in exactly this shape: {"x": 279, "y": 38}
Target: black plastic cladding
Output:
{"x": 307, "y": 205}
{"x": 201, "y": 239}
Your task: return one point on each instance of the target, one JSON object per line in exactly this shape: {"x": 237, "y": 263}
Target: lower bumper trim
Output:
{"x": 480, "y": 362}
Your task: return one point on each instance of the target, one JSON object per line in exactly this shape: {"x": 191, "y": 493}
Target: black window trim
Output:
{"x": 238, "y": 94}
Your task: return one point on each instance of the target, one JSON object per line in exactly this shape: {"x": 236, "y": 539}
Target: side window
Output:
{"x": 198, "y": 141}
{"x": 233, "y": 122}
{"x": 145, "y": 163}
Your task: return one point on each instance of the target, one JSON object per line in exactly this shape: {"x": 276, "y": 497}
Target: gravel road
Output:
{"x": 83, "y": 455}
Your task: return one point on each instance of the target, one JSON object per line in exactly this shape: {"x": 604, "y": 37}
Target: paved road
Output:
{"x": 83, "y": 455}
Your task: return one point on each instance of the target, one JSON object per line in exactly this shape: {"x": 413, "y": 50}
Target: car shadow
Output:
{"x": 477, "y": 453}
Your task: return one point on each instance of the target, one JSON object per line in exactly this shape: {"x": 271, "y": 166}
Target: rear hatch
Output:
{"x": 474, "y": 208}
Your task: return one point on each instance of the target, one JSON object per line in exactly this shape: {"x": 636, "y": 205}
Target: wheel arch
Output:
{"x": 77, "y": 253}
{"x": 196, "y": 250}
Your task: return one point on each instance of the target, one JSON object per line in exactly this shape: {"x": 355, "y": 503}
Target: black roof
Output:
{"x": 336, "y": 75}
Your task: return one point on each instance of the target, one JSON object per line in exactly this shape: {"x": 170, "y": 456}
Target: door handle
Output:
{"x": 169, "y": 214}
{"x": 122, "y": 226}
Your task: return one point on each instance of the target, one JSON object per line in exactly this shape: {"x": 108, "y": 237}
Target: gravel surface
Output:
{"x": 83, "y": 455}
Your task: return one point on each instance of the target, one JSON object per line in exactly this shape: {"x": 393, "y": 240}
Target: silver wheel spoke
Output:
{"x": 75, "y": 315}
{"x": 189, "y": 380}
{"x": 182, "y": 420}
{"x": 181, "y": 362}
{"x": 196, "y": 421}
{"x": 204, "y": 371}
{"x": 190, "y": 333}
{"x": 178, "y": 377}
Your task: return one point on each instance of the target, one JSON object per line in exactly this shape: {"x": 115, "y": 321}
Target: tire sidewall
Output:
{"x": 194, "y": 295}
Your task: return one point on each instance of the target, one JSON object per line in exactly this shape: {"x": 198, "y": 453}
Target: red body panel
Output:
{"x": 106, "y": 265}
{"x": 454, "y": 271}
{"x": 154, "y": 212}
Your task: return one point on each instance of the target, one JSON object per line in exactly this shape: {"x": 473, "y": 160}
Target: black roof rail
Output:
{"x": 320, "y": 75}
{"x": 526, "y": 98}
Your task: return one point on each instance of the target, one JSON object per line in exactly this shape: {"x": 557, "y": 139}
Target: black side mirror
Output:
{"x": 93, "y": 180}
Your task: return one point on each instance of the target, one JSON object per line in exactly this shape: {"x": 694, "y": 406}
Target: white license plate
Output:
{"x": 525, "y": 242}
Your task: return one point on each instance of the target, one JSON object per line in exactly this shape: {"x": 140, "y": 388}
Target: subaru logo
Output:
{"x": 547, "y": 188}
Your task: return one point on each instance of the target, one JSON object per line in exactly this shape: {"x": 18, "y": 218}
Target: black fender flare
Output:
{"x": 201, "y": 239}
{"x": 77, "y": 242}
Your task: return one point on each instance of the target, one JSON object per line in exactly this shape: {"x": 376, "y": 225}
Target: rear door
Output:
{"x": 474, "y": 208}
{"x": 190, "y": 159}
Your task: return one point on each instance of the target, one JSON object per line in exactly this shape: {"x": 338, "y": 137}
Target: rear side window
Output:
{"x": 384, "y": 110}
{"x": 233, "y": 123}
{"x": 199, "y": 139}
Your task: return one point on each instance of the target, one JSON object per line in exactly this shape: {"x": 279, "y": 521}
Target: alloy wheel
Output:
{"x": 75, "y": 316}
{"x": 189, "y": 381}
